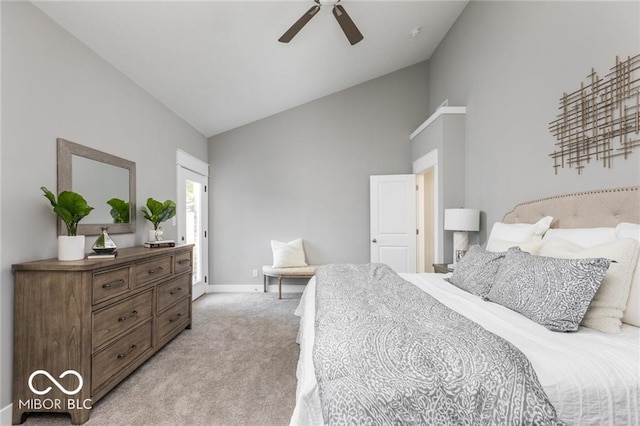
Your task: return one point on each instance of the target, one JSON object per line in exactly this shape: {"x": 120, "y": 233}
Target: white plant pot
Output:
{"x": 71, "y": 248}
{"x": 152, "y": 235}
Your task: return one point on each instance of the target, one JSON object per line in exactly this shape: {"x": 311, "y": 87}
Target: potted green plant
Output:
{"x": 71, "y": 208}
{"x": 157, "y": 212}
{"x": 119, "y": 210}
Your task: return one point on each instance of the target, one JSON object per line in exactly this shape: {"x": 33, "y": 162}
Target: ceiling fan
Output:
{"x": 348, "y": 27}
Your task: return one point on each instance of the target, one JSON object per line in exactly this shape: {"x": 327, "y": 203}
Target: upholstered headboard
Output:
{"x": 605, "y": 207}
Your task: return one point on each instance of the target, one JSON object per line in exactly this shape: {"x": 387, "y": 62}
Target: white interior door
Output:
{"x": 193, "y": 217}
{"x": 393, "y": 221}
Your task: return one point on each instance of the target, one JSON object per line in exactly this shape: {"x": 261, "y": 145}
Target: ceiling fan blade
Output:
{"x": 348, "y": 27}
{"x": 295, "y": 28}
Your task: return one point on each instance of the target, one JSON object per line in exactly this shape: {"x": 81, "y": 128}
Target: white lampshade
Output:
{"x": 462, "y": 219}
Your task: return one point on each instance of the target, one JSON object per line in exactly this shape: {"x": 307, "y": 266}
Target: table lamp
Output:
{"x": 461, "y": 221}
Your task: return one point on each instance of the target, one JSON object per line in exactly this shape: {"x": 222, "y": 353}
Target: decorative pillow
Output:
{"x": 608, "y": 305}
{"x": 520, "y": 232}
{"x": 584, "y": 237}
{"x": 632, "y": 312}
{"x": 476, "y": 270}
{"x": 288, "y": 255}
{"x": 553, "y": 292}
{"x": 531, "y": 247}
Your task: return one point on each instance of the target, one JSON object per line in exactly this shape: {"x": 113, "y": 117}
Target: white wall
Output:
{"x": 509, "y": 63}
{"x": 304, "y": 173}
{"x": 54, "y": 86}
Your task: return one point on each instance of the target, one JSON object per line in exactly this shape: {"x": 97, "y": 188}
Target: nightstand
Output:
{"x": 441, "y": 268}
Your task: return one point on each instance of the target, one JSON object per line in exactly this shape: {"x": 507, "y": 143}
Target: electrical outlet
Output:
{"x": 255, "y": 273}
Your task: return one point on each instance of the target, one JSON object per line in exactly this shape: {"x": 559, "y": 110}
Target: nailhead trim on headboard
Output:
{"x": 603, "y": 207}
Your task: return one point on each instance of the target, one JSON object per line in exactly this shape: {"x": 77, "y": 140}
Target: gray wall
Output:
{"x": 304, "y": 173}
{"x": 53, "y": 86}
{"x": 446, "y": 134}
{"x": 509, "y": 63}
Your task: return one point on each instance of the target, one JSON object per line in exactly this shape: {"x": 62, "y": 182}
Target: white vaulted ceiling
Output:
{"x": 218, "y": 64}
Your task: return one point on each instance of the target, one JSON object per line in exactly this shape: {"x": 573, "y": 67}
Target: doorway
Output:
{"x": 193, "y": 216}
{"x": 429, "y": 247}
{"x": 425, "y": 215}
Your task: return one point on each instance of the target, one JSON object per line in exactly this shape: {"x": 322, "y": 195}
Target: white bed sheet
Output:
{"x": 591, "y": 378}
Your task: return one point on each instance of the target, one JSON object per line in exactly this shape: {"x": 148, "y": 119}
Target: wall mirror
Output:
{"x": 98, "y": 177}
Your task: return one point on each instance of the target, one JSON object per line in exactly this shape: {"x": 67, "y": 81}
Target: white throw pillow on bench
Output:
{"x": 288, "y": 255}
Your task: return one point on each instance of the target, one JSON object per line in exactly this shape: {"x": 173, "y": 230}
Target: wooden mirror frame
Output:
{"x": 66, "y": 149}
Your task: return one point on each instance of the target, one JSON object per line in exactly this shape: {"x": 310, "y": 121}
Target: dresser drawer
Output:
{"x": 182, "y": 261}
{"x": 119, "y": 355}
{"x": 172, "y": 291}
{"x": 111, "y": 283}
{"x": 152, "y": 270}
{"x": 173, "y": 318}
{"x": 110, "y": 322}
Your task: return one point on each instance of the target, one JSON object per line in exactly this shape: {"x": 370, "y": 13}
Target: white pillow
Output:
{"x": 632, "y": 313}
{"x": 288, "y": 255}
{"x": 607, "y": 307}
{"x": 584, "y": 237}
{"x": 499, "y": 246}
{"x": 520, "y": 232}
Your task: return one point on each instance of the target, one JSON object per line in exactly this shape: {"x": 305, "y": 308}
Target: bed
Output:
{"x": 587, "y": 376}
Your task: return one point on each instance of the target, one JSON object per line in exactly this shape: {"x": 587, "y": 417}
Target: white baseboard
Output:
{"x": 6, "y": 415}
{"x": 257, "y": 288}
{"x": 235, "y": 288}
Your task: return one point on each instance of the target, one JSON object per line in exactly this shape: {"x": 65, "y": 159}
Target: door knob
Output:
{"x": 374, "y": 241}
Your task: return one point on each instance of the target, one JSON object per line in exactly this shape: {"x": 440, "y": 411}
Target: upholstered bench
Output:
{"x": 280, "y": 273}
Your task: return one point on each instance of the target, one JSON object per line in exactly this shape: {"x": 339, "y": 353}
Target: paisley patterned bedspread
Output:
{"x": 386, "y": 352}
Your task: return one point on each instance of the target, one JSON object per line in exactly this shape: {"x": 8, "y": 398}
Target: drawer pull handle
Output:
{"x": 176, "y": 318}
{"x": 113, "y": 283}
{"x": 154, "y": 270}
{"x": 177, "y": 290}
{"x": 133, "y": 314}
{"x": 123, "y": 354}
{"x": 183, "y": 261}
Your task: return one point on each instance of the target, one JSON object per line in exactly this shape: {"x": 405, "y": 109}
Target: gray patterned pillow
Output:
{"x": 553, "y": 292}
{"x": 476, "y": 270}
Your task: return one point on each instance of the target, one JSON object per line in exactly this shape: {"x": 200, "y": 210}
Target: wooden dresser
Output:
{"x": 99, "y": 318}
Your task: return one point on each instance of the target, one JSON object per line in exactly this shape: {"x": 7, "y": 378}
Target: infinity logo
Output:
{"x": 55, "y": 382}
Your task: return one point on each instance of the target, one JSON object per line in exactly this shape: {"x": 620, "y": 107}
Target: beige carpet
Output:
{"x": 236, "y": 366}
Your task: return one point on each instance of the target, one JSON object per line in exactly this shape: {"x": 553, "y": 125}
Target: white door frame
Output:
{"x": 186, "y": 163}
{"x": 422, "y": 164}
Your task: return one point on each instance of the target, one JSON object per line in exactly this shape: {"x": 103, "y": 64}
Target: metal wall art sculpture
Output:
{"x": 601, "y": 120}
